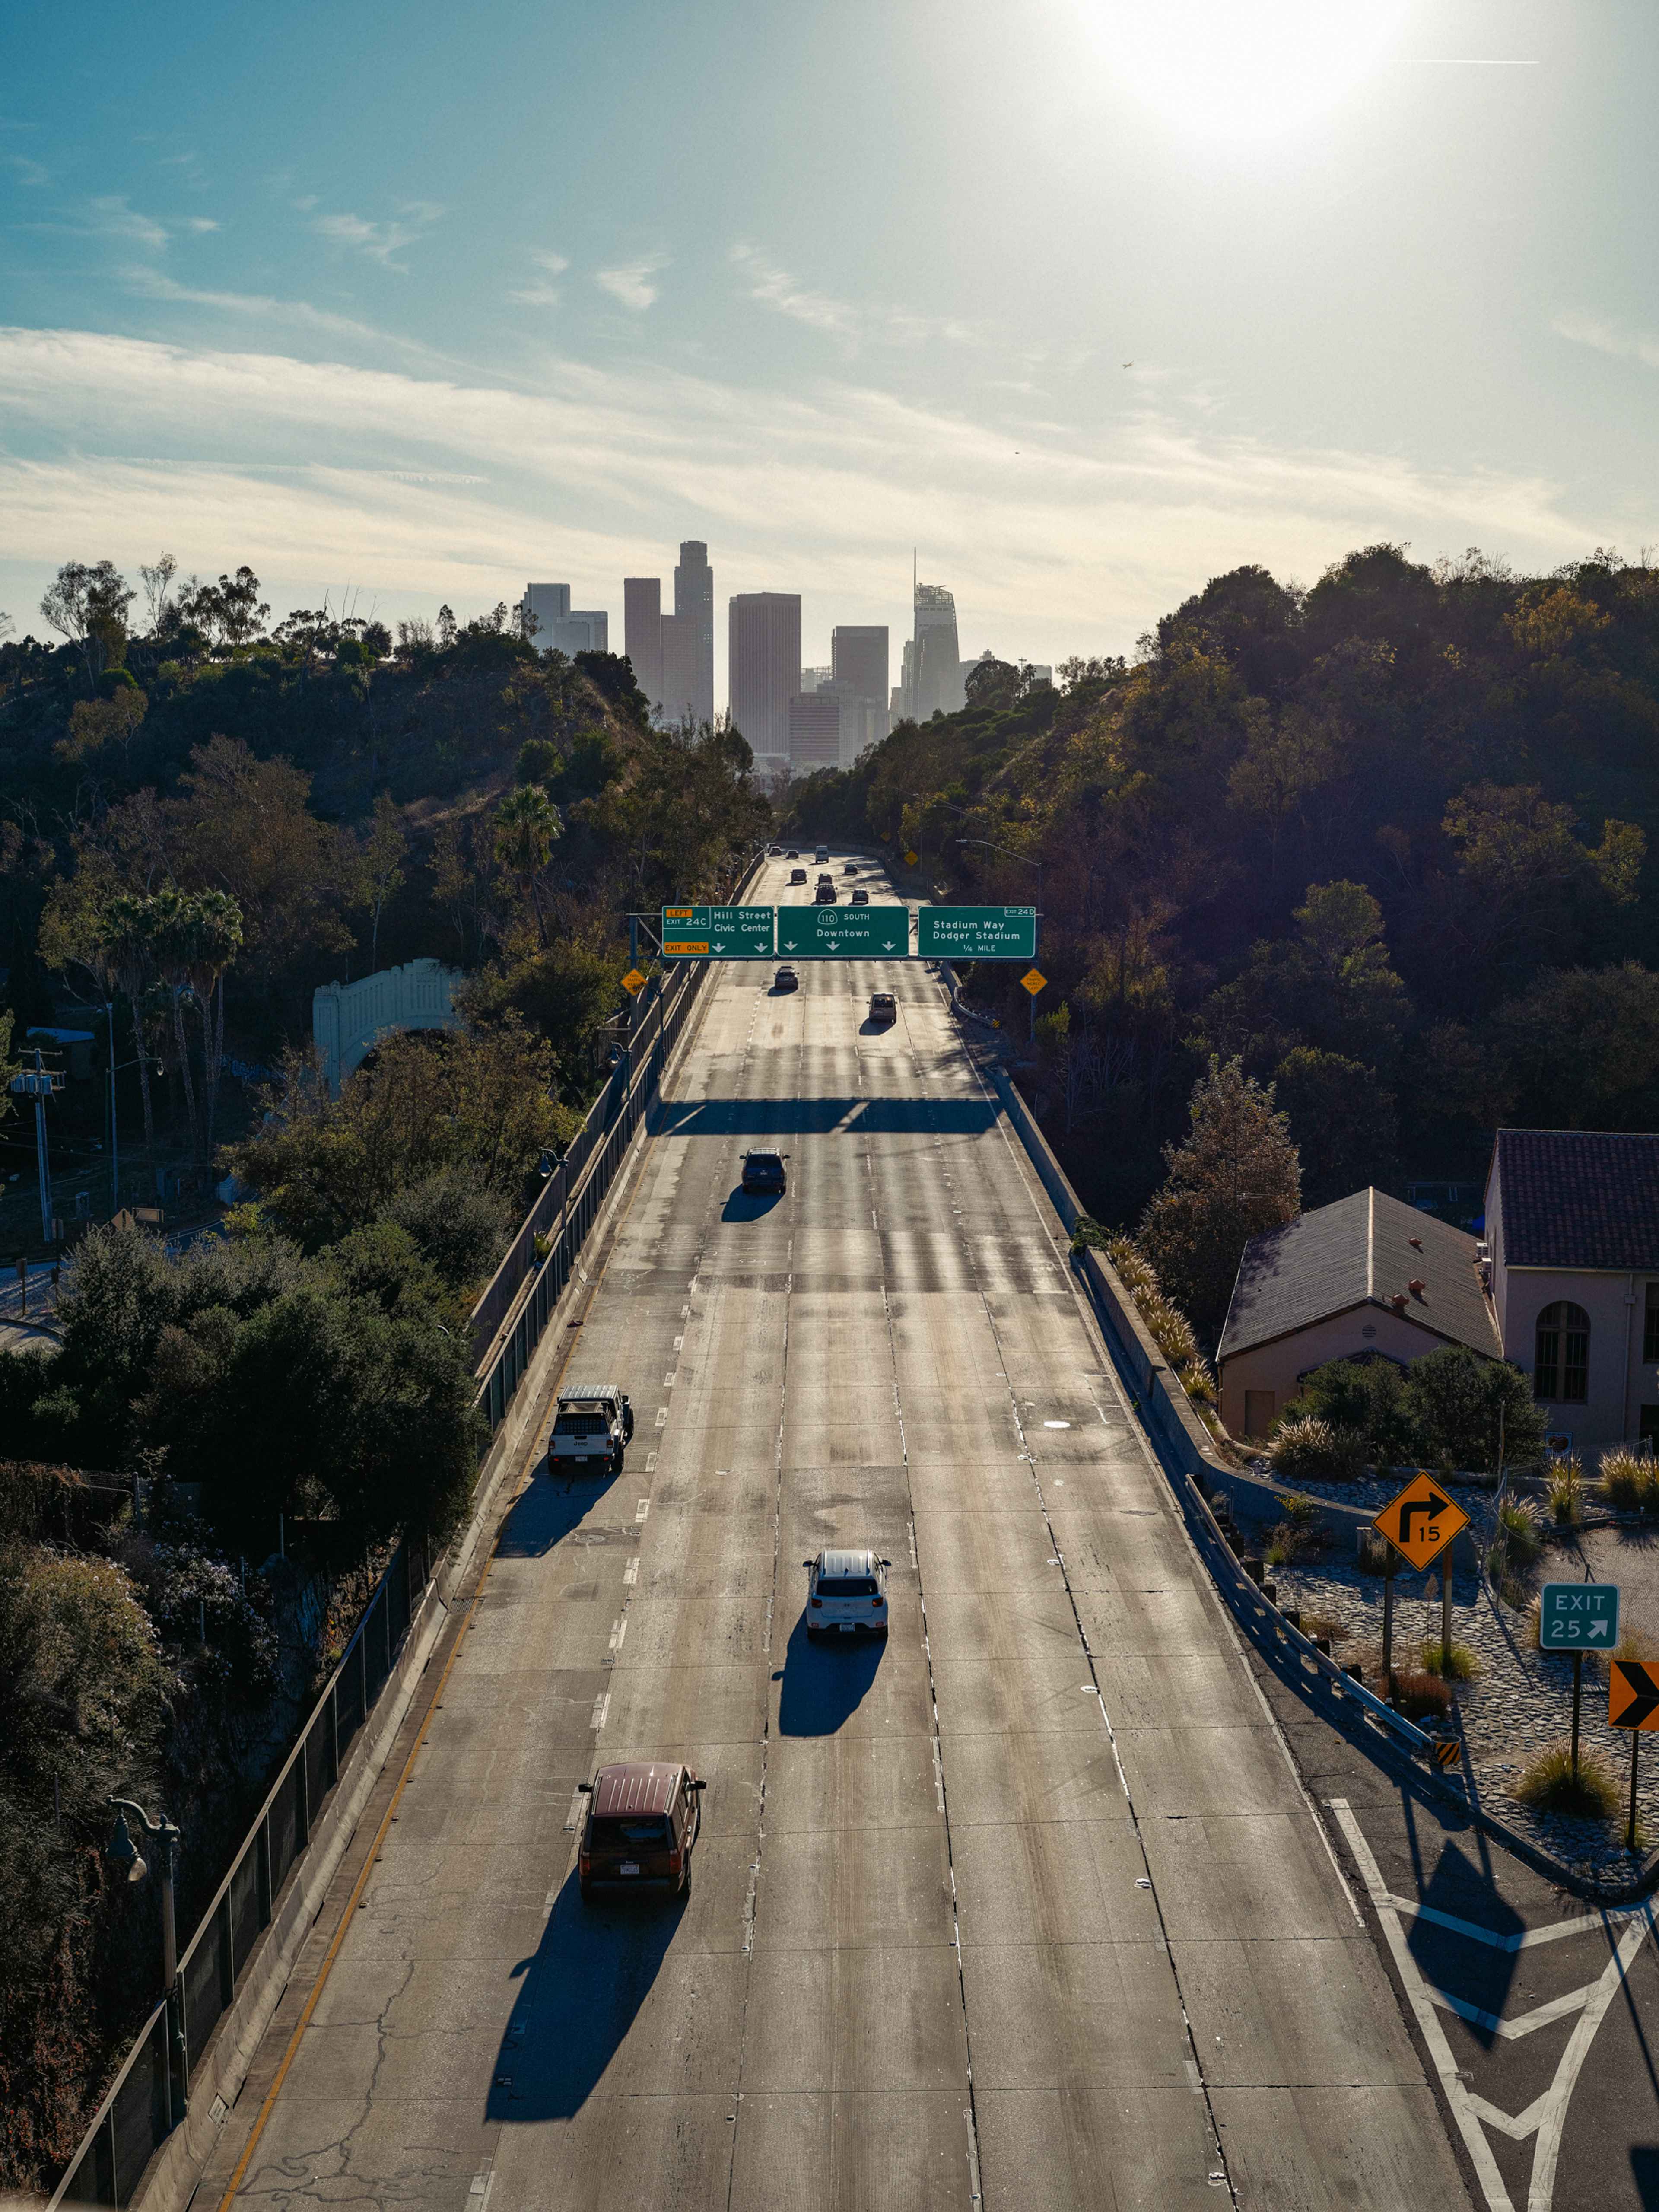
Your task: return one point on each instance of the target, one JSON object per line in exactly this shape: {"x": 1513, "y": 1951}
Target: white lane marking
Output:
{"x": 662, "y": 1417}
{"x": 1056, "y": 1424}
{"x": 1517, "y": 2024}
{"x": 1547, "y": 2114}
{"x": 669, "y": 1380}
{"x": 578, "y": 1801}
{"x": 1194, "y": 2078}
{"x": 477, "y": 2196}
{"x": 1528, "y": 1937}
{"x": 939, "y": 1776}
{"x": 601, "y": 1707}
{"x": 642, "y": 1509}
{"x": 631, "y": 1571}
{"x": 651, "y": 1463}
{"x": 974, "y": 2196}
{"x": 619, "y": 1631}
{"x": 678, "y": 1343}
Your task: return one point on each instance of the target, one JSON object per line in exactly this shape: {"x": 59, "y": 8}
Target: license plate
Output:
{"x": 848, "y": 1628}
{"x": 628, "y": 1866}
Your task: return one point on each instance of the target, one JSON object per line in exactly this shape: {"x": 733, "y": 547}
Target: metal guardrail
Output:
{"x": 147, "y": 2098}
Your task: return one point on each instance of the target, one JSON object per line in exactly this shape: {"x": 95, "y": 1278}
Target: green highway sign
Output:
{"x": 977, "y": 933}
{"x": 717, "y": 932}
{"x": 1578, "y": 1617}
{"x": 844, "y": 932}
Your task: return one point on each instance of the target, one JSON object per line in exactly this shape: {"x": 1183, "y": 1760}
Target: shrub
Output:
{"x": 1548, "y": 1784}
{"x": 1421, "y": 1697}
{"x": 1462, "y": 1404}
{"x": 1566, "y": 1491}
{"x": 1166, "y": 1324}
{"x": 1519, "y": 1532}
{"x": 1627, "y": 1483}
{"x": 1365, "y": 1395}
{"x": 1455, "y": 1664}
{"x": 1310, "y": 1450}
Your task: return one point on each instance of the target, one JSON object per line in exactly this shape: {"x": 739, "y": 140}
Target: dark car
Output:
{"x": 883, "y": 1007}
{"x": 797, "y": 875}
{"x": 851, "y": 868}
{"x": 824, "y": 895}
{"x": 860, "y": 897}
{"x": 785, "y": 980}
{"x": 764, "y": 1173}
{"x": 643, "y": 1822}
{"x": 794, "y": 854}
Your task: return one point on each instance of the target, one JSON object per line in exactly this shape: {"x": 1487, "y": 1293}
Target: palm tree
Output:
{"x": 526, "y": 830}
{"x": 127, "y": 944}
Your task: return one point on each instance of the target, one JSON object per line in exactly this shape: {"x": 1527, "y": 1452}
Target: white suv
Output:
{"x": 591, "y": 1428}
{"x": 846, "y": 1594}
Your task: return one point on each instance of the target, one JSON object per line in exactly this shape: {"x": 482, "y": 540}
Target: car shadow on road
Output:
{"x": 547, "y": 1510}
{"x": 824, "y": 1684}
{"x": 580, "y": 1994}
{"x": 749, "y": 1205}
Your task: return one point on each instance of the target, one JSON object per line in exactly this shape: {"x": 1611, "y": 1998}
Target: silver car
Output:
{"x": 846, "y": 1594}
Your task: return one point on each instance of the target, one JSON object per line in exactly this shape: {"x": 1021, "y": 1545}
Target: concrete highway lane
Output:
{"x": 1023, "y": 1907}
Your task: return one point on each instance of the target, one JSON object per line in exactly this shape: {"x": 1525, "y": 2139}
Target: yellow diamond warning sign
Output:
{"x": 1422, "y": 1521}
{"x": 1035, "y": 980}
{"x": 911, "y": 858}
{"x": 633, "y": 981}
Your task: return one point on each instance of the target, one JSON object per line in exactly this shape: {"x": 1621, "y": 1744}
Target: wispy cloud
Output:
{"x": 630, "y": 282}
{"x": 852, "y": 324}
{"x": 1606, "y": 336}
{"x": 148, "y": 283}
{"x": 542, "y": 294}
{"x": 381, "y": 241}
{"x": 113, "y": 216}
{"x": 27, "y": 171}
{"x": 1075, "y": 542}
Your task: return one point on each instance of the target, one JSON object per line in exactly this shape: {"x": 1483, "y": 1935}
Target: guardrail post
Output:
{"x": 302, "y": 1797}
{"x": 262, "y": 1870}
{"x": 227, "y": 1954}
{"x": 333, "y": 1735}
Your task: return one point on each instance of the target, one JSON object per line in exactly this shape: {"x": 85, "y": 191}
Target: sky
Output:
{"x": 1085, "y": 300}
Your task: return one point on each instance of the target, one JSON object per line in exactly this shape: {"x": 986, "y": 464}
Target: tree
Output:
{"x": 88, "y": 604}
{"x": 1579, "y": 1049}
{"x": 526, "y": 826}
{"x": 157, "y": 579}
{"x": 1235, "y": 1175}
{"x": 1331, "y": 986}
{"x": 1467, "y": 1408}
{"x": 382, "y": 850}
{"x": 95, "y": 724}
{"x": 231, "y": 611}
{"x": 1341, "y": 1117}
{"x": 1283, "y": 764}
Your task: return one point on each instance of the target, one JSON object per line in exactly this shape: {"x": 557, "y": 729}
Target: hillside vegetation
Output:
{"x": 1384, "y": 842}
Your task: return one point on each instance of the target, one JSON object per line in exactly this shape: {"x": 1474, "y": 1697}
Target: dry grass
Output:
{"x": 1628, "y": 1483}
{"x": 1567, "y": 1492}
{"x": 1548, "y": 1784}
{"x": 1311, "y": 1450}
{"x": 1421, "y": 1697}
{"x": 1459, "y": 1664}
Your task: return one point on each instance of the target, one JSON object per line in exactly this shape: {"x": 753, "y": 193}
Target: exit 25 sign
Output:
{"x": 1578, "y": 1617}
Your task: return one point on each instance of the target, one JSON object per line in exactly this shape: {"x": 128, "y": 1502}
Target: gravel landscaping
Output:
{"x": 1519, "y": 1701}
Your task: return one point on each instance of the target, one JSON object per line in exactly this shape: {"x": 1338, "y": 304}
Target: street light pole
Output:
{"x": 123, "y": 1851}
{"x": 1009, "y": 853}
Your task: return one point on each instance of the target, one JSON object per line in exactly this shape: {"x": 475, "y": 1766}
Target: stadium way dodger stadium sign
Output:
{"x": 977, "y": 933}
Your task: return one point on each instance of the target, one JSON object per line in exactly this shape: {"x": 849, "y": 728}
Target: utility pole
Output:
{"x": 115, "y": 1135}
{"x": 39, "y": 1084}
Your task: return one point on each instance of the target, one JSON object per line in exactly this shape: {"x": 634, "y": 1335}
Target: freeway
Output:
{"x": 1023, "y": 1908}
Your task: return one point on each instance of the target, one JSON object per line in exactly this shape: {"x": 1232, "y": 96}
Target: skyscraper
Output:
{"x": 814, "y": 730}
{"x": 858, "y": 658}
{"x": 561, "y": 628}
{"x": 693, "y": 639}
{"x": 935, "y": 665}
{"x": 642, "y": 632}
{"x": 764, "y": 657}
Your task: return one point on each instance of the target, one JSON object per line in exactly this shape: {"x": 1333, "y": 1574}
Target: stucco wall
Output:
{"x": 1276, "y": 1366}
{"x": 1619, "y": 1385}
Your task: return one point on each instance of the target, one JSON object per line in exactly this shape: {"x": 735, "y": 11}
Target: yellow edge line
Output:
{"x": 327, "y": 1966}
{"x": 361, "y": 1883}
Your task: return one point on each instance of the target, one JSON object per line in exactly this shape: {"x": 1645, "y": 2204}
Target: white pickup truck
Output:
{"x": 591, "y": 1429}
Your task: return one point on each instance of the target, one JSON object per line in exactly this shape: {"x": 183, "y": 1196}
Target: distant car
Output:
{"x": 593, "y": 1425}
{"x": 793, "y": 854}
{"x": 643, "y": 1820}
{"x": 850, "y": 868}
{"x": 797, "y": 875}
{"x": 883, "y": 1007}
{"x": 785, "y": 980}
{"x": 773, "y": 851}
{"x": 824, "y": 895}
{"x": 822, "y": 853}
{"x": 846, "y": 1595}
{"x": 860, "y": 897}
{"x": 764, "y": 1173}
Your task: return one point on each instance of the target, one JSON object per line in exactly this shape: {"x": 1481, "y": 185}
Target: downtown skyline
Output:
{"x": 402, "y": 312}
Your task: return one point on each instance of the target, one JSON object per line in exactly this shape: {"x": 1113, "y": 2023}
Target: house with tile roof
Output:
{"x": 1572, "y": 1227}
{"x": 1367, "y": 1278}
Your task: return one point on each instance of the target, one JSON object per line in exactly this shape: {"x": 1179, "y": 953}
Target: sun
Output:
{"x": 1244, "y": 70}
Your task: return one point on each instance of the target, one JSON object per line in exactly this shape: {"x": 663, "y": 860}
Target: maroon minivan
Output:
{"x": 643, "y": 1820}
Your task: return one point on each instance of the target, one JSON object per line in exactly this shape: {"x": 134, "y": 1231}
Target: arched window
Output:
{"x": 1560, "y": 1364}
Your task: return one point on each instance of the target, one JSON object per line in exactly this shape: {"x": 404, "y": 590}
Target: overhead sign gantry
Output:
{"x": 824, "y": 932}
